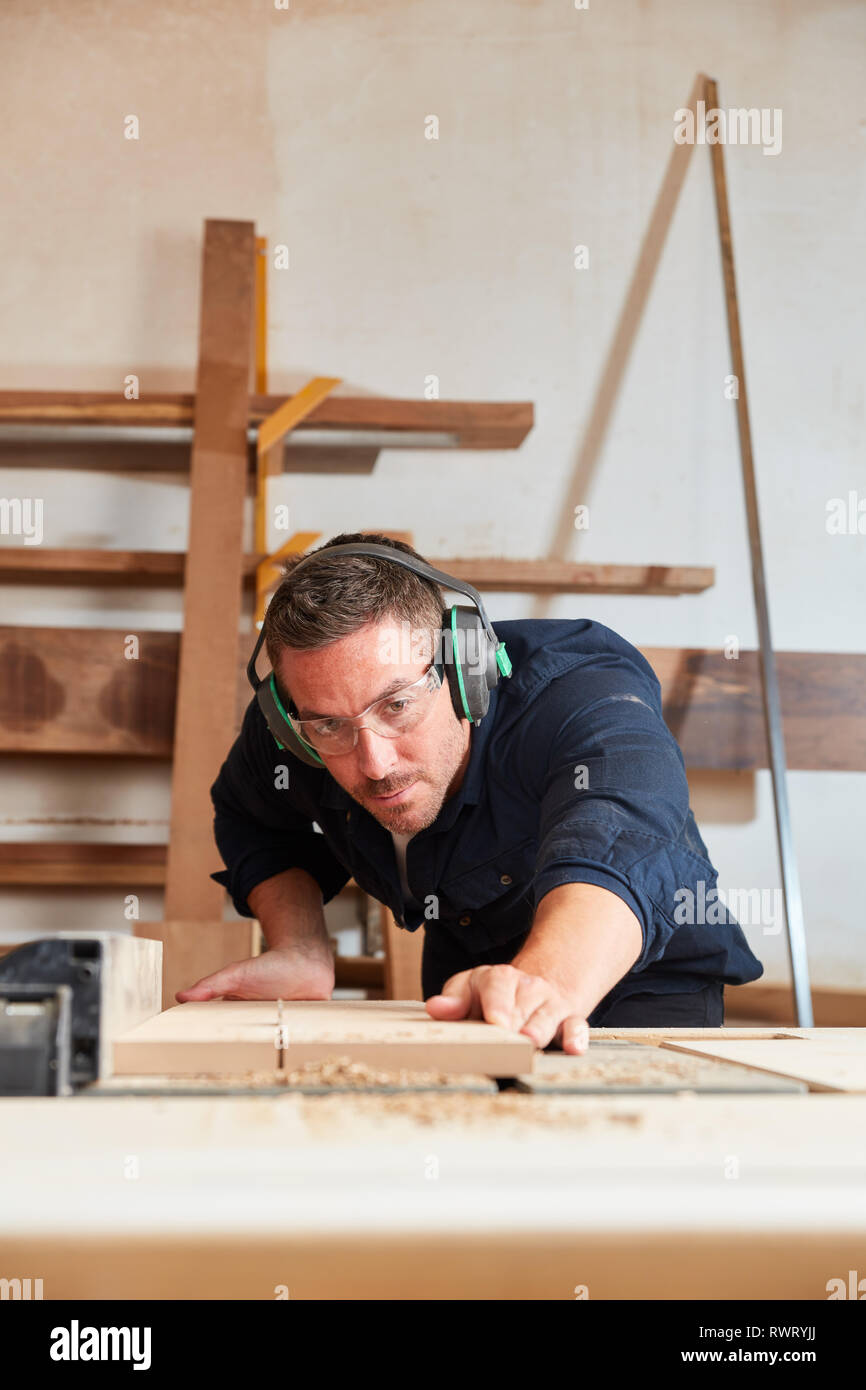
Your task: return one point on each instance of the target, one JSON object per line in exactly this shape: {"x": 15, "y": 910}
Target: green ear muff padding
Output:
{"x": 455, "y": 656}
{"x": 472, "y": 669}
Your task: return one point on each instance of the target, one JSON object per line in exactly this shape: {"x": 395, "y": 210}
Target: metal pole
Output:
{"x": 769, "y": 682}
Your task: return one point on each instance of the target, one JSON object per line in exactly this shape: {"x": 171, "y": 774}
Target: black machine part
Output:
{"x": 35, "y": 1040}
{"x": 46, "y": 965}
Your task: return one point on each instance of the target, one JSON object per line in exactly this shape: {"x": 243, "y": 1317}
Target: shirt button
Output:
{"x": 465, "y": 920}
{"x": 505, "y": 878}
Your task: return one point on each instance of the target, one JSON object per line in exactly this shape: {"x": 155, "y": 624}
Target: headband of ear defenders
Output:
{"x": 472, "y": 703}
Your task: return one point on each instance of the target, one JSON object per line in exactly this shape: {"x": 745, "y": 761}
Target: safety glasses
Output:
{"x": 393, "y": 716}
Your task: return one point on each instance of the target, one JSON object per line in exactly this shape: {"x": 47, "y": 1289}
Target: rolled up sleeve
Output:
{"x": 260, "y": 828}
{"x": 613, "y": 793}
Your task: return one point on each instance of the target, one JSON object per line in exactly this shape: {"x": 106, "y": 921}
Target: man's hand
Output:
{"x": 276, "y": 974}
{"x": 516, "y": 1000}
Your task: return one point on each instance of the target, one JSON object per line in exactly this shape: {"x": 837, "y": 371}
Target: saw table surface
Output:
{"x": 692, "y": 1194}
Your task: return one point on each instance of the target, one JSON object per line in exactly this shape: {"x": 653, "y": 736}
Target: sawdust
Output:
{"x": 617, "y": 1070}
{"x": 641, "y": 1068}
{"x": 342, "y": 1071}
{"x": 453, "y": 1109}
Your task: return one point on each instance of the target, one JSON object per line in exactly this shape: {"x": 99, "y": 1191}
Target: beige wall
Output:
{"x": 411, "y": 257}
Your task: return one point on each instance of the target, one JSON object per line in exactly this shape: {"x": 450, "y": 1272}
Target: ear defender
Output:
{"x": 278, "y": 722}
{"x": 473, "y": 656}
{"x": 470, "y": 662}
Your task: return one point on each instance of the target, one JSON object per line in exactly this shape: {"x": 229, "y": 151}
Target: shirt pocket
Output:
{"x": 492, "y": 902}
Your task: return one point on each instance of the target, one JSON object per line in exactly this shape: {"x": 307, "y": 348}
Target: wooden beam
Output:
{"x": 476, "y": 424}
{"x": 403, "y": 950}
{"x": 165, "y": 568}
{"x": 73, "y": 690}
{"x": 206, "y": 719}
{"x": 194, "y": 949}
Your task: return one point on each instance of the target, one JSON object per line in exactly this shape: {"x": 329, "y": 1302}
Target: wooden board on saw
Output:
{"x": 825, "y": 1064}
{"x": 659, "y": 1035}
{"x": 625, "y": 1067}
{"x": 231, "y": 1036}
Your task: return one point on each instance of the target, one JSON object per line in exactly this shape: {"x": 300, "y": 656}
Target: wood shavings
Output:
{"x": 512, "y": 1110}
{"x": 342, "y": 1071}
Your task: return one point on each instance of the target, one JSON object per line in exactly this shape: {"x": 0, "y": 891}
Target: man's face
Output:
{"x": 403, "y": 781}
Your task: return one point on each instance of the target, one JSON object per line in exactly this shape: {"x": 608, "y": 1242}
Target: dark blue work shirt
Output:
{"x": 573, "y": 777}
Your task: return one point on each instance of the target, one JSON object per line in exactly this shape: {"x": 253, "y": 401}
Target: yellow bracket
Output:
{"x": 272, "y": 431}
{"x": 291, "y": 412}
{"x": 268, "y": 571}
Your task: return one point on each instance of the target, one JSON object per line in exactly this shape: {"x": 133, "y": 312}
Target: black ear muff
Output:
{"x": 470, "y": 662}
{"x": 271, "y": 706}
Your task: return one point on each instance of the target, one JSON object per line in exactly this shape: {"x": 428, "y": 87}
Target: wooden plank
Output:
{"x": 359, "y": 972}
{"x": 186, "y": 1039}
{"x": 227, "y": 1036}
{"x": 89, "y": 864}
{"x": 73, "y": 690}
{"x": 403, "y": 951}
{"x": 656, "y": 1036}
{"x": 206, "y": 720}
{"x": 831, "y": 1008}
{"x": 476, "y": 424}
{"x": 165, "y": 569}
{"x": 45, "y": 863}
{"x": 94, "y": 691}
{"x": 713, "y": 708}
{"x": 825, "y": 1066}
{"x": 632, "y": 1069}
{"x": 194, "y": 949}
{"x": 544, "y": 576}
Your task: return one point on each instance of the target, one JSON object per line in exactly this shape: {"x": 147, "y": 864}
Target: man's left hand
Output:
{"x": 513, "y": 999}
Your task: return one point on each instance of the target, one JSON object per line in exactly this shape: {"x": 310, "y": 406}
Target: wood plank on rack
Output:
{"x": 206, "y": 719}
{"x": 74, "y": 690}
{"x": 165, "y": 569}
{"x": 475, "y": 424}
{"x": 89, "y": 864}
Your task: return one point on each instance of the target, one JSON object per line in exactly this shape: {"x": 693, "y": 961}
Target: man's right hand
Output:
{"x": 280, "y": 973}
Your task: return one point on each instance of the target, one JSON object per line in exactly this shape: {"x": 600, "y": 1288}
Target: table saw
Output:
{"x": 360, "y": 1149}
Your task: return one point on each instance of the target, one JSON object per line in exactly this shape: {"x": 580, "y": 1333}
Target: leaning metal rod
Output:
{"x": 769, "y": 682}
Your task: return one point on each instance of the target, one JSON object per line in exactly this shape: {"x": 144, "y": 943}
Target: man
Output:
{"x": 548, "y": 850}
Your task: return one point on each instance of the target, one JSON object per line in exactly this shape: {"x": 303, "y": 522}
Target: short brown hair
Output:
{"x": 335, "y": 596}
